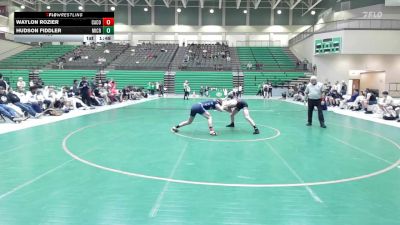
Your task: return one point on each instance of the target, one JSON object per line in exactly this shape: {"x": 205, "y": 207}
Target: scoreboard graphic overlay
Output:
{"x": 64, "y": 26}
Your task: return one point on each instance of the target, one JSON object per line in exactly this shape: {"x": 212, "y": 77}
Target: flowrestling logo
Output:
{"x": 373, "y": 15}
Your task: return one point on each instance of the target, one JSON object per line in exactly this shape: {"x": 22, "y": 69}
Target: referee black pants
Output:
{"x": 311, "y": 104}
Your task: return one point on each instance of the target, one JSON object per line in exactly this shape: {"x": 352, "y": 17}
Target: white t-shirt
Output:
{"x": 314, "y": 91}
{"x": 386, "y": 101}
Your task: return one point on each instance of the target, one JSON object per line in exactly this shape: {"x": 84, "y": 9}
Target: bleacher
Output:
{"x": 11, "y": 76}
{"x": 271, "y": 58}
{"x": 207, "y": 57}
{"x": 147, "y": 57}
{"x": 196, "y": 79}
{"x": 87, "y": 56}
{"x": 60, "y": 78}
{"x": 36, "y": 57}
{"x": 252, "y": 80}
{"x": 125, "y": 78}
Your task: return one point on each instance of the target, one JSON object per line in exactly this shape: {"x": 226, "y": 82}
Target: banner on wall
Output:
{"x": 3, "y": 10}
{"x": 328, "y": 46}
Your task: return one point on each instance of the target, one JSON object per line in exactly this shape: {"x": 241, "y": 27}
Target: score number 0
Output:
{"x": 108, "y": 25}
{"x": 108, "y": 21}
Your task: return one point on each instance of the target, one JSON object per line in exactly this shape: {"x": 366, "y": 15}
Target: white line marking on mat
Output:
{"x": 157, "y": 204}
{"x": 37, "y": 178}
{"x": 248, "y": 185}
{"x": 361, "y": 150}
{"x": 312, "y": 193}
{"x": 33, "y": 180}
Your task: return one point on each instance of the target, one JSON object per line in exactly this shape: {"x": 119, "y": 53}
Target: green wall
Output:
{"x": 121, "y": 14}
{"x": 140, "y": 17}
{"x": 260, "y": 17}
{"x": 189, "y": 15}
{"x": 303, "y": 20}
{"x": 282, "y": 19}
{"x": 235, "y": 17}
{"x": 165, "y": 16}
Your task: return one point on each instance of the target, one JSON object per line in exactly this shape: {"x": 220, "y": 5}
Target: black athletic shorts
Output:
{"x": 241, "y": 104}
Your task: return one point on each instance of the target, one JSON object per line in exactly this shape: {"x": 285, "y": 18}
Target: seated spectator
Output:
{"x": 60, "y": 65}
{"x": 357, "y": 104}
{"x": 21, "y": 84}
{"x": 334, "y": 98}
{"x": 19, "y": 99}
{"x": 386, "y": 103}
{"x": 186, "y": 59}
{"x": 344, "y": 102}
{"x": 290, "y": 92}
{"x": 249, "y": 66}
{"x": 299, "y": 97}
{"x": 369, "y": 101}
{"x": 7, "y": 111}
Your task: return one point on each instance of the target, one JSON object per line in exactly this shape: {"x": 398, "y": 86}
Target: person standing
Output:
{"x": 84, "y": 91}
{"x": 186, "y": 90}
{"x": 269, "y": 90}
{"x": 314, "y": 94}
{"x": 240, "y": 89}
{"x": 343, "y": 88}
{"x": 265, "y": 90}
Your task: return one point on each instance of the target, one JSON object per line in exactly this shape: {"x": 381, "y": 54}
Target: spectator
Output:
{"x": 84, "y": 91}
{"x": 305, "y": 64}
{"x": 343, "y": 88}
{"x": 21, "y": 85}
{"x": 75, "y": 88}
{"x": 369, "y": 101}
{"x": 334, "y": 98}
{"x": 5, "y": 110}
{"x": 265, "y": 90}
{"x": 240, "y": 89}
{"x": 249, "y": 66}
{"x": 270, "y": 90}
{"x": 290, "y": 92}
{"x": 186, "y": 90}
{"x": 344, "y": 102}
{"x": 27, "y": 108}
{"x": 3, "y": 83}
{"x": 201, "y": 91}
{"x": 386, "y": 103}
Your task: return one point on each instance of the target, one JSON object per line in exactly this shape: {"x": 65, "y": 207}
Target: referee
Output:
{"x": 314, "y": 94}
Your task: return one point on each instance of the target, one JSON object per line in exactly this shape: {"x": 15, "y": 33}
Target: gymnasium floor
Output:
{"x": 124, "y": 166}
